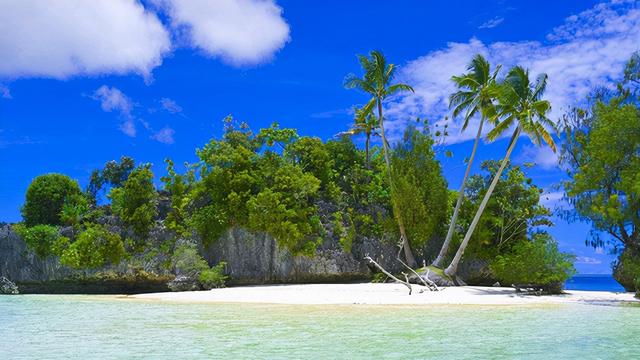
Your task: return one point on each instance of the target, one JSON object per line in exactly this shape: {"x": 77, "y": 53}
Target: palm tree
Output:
{"x": 476, "y": 93}
{"x": 519, "y": 103}
{"x": 365, "y": 123}
{"x": 377, "y": 83}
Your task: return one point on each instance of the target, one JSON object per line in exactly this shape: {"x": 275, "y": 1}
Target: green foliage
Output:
{"x": 312, "y": 156}
{"x": 421, "y": 193}
{"x": 178, "y": 187}
{"x": 511, "y": 213}
{"x": 188, "y": 261}
{"x": 95, "y": 247}
{"x": 113, "y": 174}
{"x": 45, "y": 198}
{"x": 42, "y": 239}
{"x": 213, "y": 278}
{"x": 346, "y": 235}
{"x": 602, "y": 158}
{"x": 537, "y": 261}
{"x": 74, "y": 209}
{"x": 136, "y": 201}
{"x": 261, "y": 190}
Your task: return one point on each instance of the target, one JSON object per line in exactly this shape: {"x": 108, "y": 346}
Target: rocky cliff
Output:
{"x": 251, "y": 259}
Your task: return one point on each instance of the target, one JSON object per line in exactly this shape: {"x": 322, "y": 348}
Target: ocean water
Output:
{"x": 594, "y": 283}
{"x": 98, "y": 327}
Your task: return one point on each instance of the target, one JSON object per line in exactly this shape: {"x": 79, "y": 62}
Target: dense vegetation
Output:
{"x": 303, "y": 190}
{"x": 601, "y": 154}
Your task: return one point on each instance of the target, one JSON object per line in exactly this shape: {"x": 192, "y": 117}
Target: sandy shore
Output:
{"x": 382, "y": 294}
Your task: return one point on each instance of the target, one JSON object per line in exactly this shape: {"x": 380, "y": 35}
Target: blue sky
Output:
{"x": 84, "y": 84}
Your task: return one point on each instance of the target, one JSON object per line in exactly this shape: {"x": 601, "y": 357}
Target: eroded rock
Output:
{"x": 7, "y": 287}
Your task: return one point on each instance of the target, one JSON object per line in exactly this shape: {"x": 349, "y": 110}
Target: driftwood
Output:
{"x": 425, "y": 281}
{"x": 374, "y": 263}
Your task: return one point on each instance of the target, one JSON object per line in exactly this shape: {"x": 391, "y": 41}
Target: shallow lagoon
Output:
{"x": 48, "y": 326}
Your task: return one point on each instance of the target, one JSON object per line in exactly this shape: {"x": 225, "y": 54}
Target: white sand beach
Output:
{"x": 383, "y": 294}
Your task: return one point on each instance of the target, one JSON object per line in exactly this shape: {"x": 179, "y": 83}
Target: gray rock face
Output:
{"x": 256, "y": 259}
{"x": 252, "y": 258}
{"x": 7, "y": 287}
{"x": 184, "y": 283}
{"x": 19, "y": 264}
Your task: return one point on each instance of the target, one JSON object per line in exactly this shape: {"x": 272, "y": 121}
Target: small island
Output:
{"x": 291, "y": 180}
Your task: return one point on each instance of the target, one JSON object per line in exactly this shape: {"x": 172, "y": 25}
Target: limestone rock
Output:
{"x": 184, "y": 283}
{"x": 7, "y": 287}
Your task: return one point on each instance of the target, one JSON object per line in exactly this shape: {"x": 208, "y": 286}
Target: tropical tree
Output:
{"x": 520, "y": 103}
{"x": 377, "y": 83}
{"x": 475, "y": 95}
{"x": 365, "y": 123}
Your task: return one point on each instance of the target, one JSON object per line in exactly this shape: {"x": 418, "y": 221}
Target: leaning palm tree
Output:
{"x": 475, "y": 95}
{"x": 377, "y": 83}
{"x": 519, "y": 103}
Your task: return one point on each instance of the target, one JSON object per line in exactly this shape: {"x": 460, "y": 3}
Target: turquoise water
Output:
{"x": 593, "y": 283}
{"x": 90, "y": 327}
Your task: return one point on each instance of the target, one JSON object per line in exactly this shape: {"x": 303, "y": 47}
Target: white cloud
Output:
{"x": 164, "y": 135}
{"x": 112, "y": 99}
{"x": 67, "y": 37}
{"x": 589, "y": 49}
{"x": 491, "y": 23}
{"x": 587, "y": 260}
{"x": 241, "y": 32}
{"x": 554, "y": 200}
{"x": 170, "y": 105}
{"x": 4, "y": 92}
{"x": 542, "y": 156}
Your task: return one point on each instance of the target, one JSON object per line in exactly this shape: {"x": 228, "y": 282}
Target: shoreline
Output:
{"x": 382, "y": 294}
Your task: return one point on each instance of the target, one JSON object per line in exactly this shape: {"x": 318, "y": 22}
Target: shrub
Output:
{"x": 638, "y": 287}
{"x": 627, "y": 269}
{"x": 94, "y": 248}
{"x": 74, "y": 209}
{"x": 42, "y": 239}
{"x": 187, "y": 261}
{"x": 45, "y": 198}
{"x": 214, "y": 277}
{"x": 537, "y": 261}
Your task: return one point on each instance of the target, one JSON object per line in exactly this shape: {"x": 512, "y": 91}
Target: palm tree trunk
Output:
{"x": 366, "y": 149}
{"x": 408, "y": 255}
{"x": 452, "y": 269}
{"x": 447, "y": 241}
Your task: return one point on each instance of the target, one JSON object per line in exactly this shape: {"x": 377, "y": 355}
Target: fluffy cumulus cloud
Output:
{"x": 241, "y": 32}
{"x": 543, "y": 157}
{"x": 62, "y": 38}
{"x": 588, "y": 50}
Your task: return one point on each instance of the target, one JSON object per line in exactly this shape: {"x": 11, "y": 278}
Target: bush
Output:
{"x": 187, "y": 261}
{"x": 45, "y": 198}
{"x": 537, "y": 261}
{"x": 627, "y": 270}
{"x": 214, "y": 277}
{"x": 94, "y": 248}
{"x": 638, "y": 287}
{"x": 42, "y": 239}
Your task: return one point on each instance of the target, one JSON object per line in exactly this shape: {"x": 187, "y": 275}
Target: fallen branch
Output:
{"x": 374, "y": 263}
{"x": 426, "y": 282}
